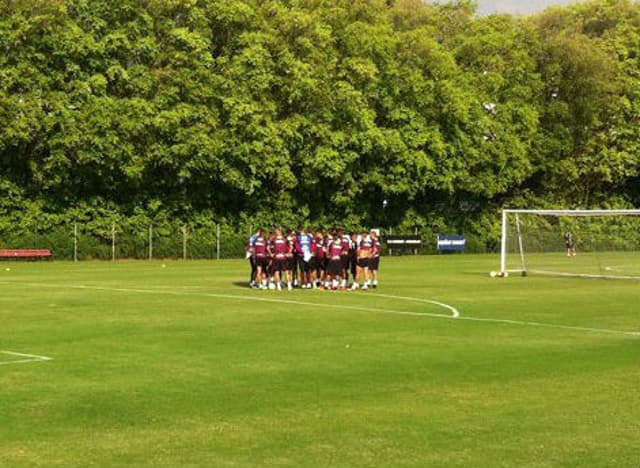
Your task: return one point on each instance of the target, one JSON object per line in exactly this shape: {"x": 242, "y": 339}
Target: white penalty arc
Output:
{"x": 456, "y": 314}
{"x": 23, "y": 358}
{"x": 453, "y": 314}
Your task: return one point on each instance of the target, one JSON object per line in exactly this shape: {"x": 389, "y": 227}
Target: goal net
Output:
{"x": 586, "y": 243}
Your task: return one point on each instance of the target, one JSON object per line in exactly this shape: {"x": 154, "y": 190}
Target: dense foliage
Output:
{"x": 264, "y": 111}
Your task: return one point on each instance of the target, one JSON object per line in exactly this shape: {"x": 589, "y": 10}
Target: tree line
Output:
{"x": 379, "y": 113}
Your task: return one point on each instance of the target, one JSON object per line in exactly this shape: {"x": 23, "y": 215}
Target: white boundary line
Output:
{"x": 584, "y": 275}
{"x": 31, "y": 358}
{"x": 553, "y": 325}
{"x": 455, "y": 314}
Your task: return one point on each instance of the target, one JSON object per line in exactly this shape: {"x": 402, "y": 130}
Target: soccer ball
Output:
{"x": 505, "y": 274}
{"x": 493, "y": 274}
{"x": 272, "y": 286}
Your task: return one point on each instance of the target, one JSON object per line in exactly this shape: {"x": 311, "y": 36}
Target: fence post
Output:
{"x": 184, "y": 242}
{"x": 150, "y": 241}
{"x": 75, "y": 242}
{"x": 218, "y": 241}
{"x": 113, "y": 242}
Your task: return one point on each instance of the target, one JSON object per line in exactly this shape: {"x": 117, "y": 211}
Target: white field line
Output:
{"x": 622, "y": 268}
{"x": 455, "y": 313}
{"x": 251, "y": 298}
{"x": 453, "y": 316}
{"x": 124, "y": 264}
{"x": 242, "y": 298}
{"x": 30, "y": 358}
{"x": 584, "y": 275}
{"x": 553, "y": 325}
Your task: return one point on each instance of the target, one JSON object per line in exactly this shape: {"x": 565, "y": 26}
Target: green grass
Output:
{"x": 615, "y": 264}
{"x": 152, "y": 367}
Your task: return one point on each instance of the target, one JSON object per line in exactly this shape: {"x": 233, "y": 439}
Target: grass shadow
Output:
{"x": 241, "y": 284}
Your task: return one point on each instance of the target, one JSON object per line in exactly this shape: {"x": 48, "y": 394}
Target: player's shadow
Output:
{"x": 241, "y": 284}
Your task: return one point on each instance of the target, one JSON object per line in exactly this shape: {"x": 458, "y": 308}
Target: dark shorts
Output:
{"x": 374, "y": 263}
{"x": 280, "y": 264}
{"x": 315, "y": 263}
{"x": 291, "y": 263}
{"x": 262, "y": 263}
{"x": 345, "y": 262}
{"x": 364, "y": 262}
{"x": 304, "y": 266}
{"x": 569, "y": 245}
{"x": 334, "y": 268}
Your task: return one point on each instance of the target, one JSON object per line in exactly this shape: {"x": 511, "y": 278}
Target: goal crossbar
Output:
{"x": 573, "y": 212}
{"x": 507, "y": 212}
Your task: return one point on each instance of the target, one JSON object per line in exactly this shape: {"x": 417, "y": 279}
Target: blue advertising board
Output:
{"x": 449, "y": 243}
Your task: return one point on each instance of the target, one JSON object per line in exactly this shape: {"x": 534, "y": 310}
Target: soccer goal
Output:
{"x": 582, "y": 243}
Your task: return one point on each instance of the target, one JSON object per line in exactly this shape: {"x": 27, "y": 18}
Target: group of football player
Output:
{"x": 309, "y": 260}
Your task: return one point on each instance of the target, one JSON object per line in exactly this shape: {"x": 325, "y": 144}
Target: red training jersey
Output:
{"x": 319, "y": 251}
{"x": 375, "y": 248}
{"x": 365, "y": 248}
{"x": 280, "y": 248}
{"x": 346, "y": 245}
{"x": 260, "y": 247}
{"x": 335, "y": 249}
{"x": 292, "y": 245}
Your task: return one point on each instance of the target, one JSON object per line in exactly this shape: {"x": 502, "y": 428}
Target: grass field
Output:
{"x": 612, "y": 264}
{"x": 185, "y": 366}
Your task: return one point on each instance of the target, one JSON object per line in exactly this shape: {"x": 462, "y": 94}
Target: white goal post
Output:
{"x": 512, "y": 233}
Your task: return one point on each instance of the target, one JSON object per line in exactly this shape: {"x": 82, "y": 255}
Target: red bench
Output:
{"x": 25, "y": 254}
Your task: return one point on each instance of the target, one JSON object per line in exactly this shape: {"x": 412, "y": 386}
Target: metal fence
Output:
{"x": 88, "y": 241}
{"x": 132, "y": 239}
